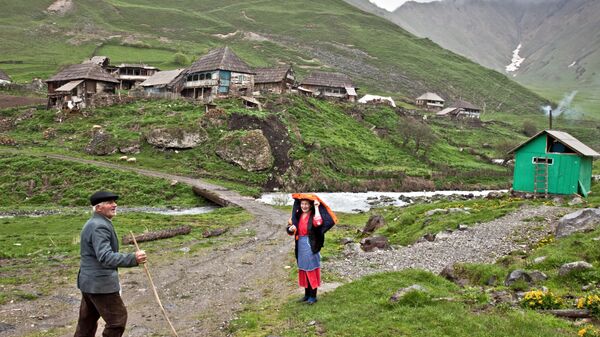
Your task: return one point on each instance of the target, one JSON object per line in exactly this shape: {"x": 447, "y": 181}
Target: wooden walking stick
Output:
{"x": 154, "y": 288}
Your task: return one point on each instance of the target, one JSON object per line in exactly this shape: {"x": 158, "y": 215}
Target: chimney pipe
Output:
{"x": 550, "y": 118}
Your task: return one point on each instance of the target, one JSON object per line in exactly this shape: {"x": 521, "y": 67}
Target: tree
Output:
{"x": 180, "y": 59}
{"x": 417, "y": 132}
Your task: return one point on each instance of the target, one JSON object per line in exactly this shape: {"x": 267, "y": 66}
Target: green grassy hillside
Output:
{"x": 380, "y": 57}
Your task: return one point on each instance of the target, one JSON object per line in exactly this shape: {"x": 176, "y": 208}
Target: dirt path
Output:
{"x": 200, "y": 293}
{"x": 9, "y": 101}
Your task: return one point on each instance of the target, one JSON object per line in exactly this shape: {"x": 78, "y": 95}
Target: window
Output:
{"x": 542, "y": 160}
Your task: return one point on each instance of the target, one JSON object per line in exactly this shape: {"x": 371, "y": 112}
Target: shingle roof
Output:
{"x": 220, "y": 59}
{"x": 4, "y": 76}
{"x": 465, "y": 105}
{"x": 567, "y": 140}
{"x": 161, "y": 78}
{"x": 134, "y": 65}
{"x": 328, "y": 79}
{"x": 430, "y": 96}
{"x": 270, "y": 75}
{"x": 99, "y": 60}
{"x": 83, "y": 71}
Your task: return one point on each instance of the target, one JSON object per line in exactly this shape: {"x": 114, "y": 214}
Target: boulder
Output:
{"x": 402, "y": 292}
{"x": 130, "y": 148}
{"x": 176, "y": 138}
{"x": 517, "y": 275}
{"x": 374, "y": 222}
{"x": 537, "y": 276}
{"x": 250, "y": 150}
{"x": 450, "y": 273}
{"x": 539, "y": 259}
{"x": 101, "y": 144}
{"x": 352, "y": 249}
{"x": 569, "y": 267}
{"x": 369, "y": 244}
{"x": 580, "y": 221}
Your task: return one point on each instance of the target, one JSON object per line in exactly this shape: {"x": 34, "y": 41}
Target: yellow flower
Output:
{"x": 581, "y": 332}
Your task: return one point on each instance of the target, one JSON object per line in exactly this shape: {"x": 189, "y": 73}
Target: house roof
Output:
{"x": 446, "y": 111}
{"x": 328, "y": 79}
{"x": 99, "y": 60}
{"x": 83, "y": 71}
{"x": 161, "y": 78}
{"x": 465, "y": 105}
{"x": 270, "y": 75}
{"x": 4, "y": 76}
{"x": 134, "y": 65}
{"x": 220, "y": 59}
{"x": 567, "y": 140}
{"x": 430, "y": 96}
{"x": 69, "y": 86}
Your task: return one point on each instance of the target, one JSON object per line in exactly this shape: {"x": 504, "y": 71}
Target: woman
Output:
{"x": 309, "y": 222}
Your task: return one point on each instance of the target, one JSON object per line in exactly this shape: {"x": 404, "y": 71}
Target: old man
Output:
{"x": 98, "y": 277}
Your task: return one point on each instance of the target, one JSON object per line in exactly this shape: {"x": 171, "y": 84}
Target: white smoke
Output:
{"x": 564, "y": 107}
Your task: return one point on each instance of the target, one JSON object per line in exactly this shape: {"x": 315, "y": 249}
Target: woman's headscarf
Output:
{"x": 328, "y": 216}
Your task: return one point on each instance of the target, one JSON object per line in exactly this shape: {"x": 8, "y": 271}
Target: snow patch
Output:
{"x": 516, "y": 61}
{"x": 572, "y": 64}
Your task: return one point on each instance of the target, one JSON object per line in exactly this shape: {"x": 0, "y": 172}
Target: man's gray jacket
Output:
{"x": 100, "y": 257}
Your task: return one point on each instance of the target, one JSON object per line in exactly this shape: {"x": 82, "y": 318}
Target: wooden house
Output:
{"x": 553, "y": 162}
{"x": 430, "y": 101}
{"x": 329, "y": 85}
{"x": 130, "y": 75}
{"x": 161, "y": 83}
{"x": 277, "y": 80}
{"x": 461, "y": 109}
{"x": 220, "y": 73}
{"x": 75, "y": 85}
{"x": 102, "y": 61}
{"x": 4, "y": 78}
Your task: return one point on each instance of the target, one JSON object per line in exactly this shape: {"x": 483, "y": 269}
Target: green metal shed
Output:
{"x": 553, "y": 162}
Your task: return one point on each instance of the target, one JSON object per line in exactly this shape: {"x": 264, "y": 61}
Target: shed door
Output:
{"x": 225, "y": 77}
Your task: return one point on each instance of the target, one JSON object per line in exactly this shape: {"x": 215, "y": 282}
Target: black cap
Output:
{"x": 101, "y": 196}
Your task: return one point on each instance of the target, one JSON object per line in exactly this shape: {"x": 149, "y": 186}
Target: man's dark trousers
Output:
{"x": 108, "y": 306}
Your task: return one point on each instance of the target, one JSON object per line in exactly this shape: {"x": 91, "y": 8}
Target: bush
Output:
{"x": 590, "y": 302}
{"x": 181, "y": 59}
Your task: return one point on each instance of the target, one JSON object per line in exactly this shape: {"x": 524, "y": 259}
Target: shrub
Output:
{"x": 181, "y": 59}
{"x": 590, "y": 302}
{"x": 588, "y": 331}
{"x": 537, "y": 299}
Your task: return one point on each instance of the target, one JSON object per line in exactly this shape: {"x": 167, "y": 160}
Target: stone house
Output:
{"x": 430, "y": 101}
{"x": 220, "y": 73}
{"x": 161, "y": 83}
{"x": 461, "y": 109}
{"x": 329, "y": 85}
{"x": 76, "y": 85}
{"x": 277, "y": 80}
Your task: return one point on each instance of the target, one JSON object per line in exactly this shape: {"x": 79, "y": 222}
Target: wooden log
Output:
{"x": 157, "y": 235}
{"x": 210, "y": 195}
{"x": 570, "y": 313}
{"x": 214, "y": 232}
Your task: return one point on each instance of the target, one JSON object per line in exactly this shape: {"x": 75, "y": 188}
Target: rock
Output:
{"x": 517, "y": 275}
{"x": 537, "y": 276}
{"x": 580, "y": 221}
{"x": 101, "y": 144}
{"x": 131, "y": 160}
{"x": 494, "y": 195}
{"x": 214, "y": 118}
{"x": 123, "y": 158}
{"x": 374, "y": 222}
{"x": 429, "y": 237}
{"x": 214, "y": 232}
{"x": 449, "y": 273}
{"x": 539, "y": 259}
{"x": 249, "y": 149}
{"x": 576, "y": 201}
{"x": 569, "y": 267}
{"x": 352, "y": 249}
{"x": 588, "y": 287}
{"x": 49, "y": 133}
{"x": 435, "y": 211}
{"x": 176, "y": 138}
{"x": 370, "y": 243}
{"x": 402, "y": 292}
{"x": 444, "y": 235}
{"x": 462, "y": 227}
{"x": 345, "y": 241}
{"x": 492, "y": 281}
{"x": 132, "y": 147}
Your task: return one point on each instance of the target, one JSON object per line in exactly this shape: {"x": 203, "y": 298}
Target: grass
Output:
{"x": 362, "y": 308}
{"x": 41, "y": 253}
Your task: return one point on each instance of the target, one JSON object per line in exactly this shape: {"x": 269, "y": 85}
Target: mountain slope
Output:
{"x": 378, "y": 55}
{"x": 559, "y": 39}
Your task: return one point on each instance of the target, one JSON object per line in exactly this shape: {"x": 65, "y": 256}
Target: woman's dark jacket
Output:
{"x": 316, "y": 235}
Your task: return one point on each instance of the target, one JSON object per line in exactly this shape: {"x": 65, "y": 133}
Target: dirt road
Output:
{"x": 200, "y": 293}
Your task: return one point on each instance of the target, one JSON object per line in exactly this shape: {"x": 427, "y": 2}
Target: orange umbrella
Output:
{"x": 313, "y": 197}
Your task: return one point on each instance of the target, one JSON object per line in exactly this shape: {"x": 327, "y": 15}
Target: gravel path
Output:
{"x": 484, "y": 243}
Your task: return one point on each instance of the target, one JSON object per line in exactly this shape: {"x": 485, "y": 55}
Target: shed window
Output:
{"x": 542, "y": 160}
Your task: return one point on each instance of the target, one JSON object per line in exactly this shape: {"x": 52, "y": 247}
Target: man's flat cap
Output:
{"x": 101, "y": 196}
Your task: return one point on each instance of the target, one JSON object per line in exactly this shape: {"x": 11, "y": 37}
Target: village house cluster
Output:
{"x": 218, "y": 74}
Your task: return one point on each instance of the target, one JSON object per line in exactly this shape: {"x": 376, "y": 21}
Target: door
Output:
{"x": 225, "y": 79}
